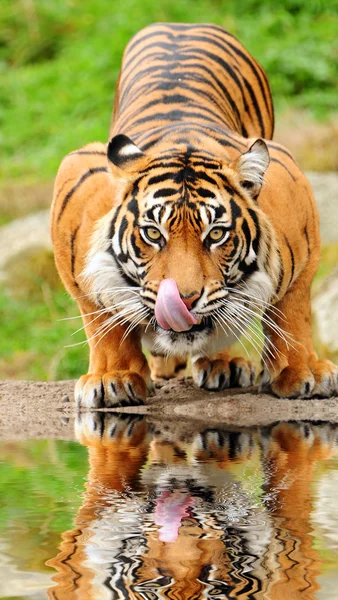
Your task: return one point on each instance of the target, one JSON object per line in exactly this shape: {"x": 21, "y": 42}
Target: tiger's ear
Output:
{"x": 123, "y": 153}
{"x": 251, "y": 167}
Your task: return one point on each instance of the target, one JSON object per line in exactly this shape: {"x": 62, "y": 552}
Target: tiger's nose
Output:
{"x": 191, "y": 300}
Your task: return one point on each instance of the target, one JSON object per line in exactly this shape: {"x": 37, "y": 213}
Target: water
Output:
{"x": 141, "y": 509}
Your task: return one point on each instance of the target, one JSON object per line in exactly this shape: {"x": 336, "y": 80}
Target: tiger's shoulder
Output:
{"x": 83, "y": 194}
{"x": 77, "y": 173}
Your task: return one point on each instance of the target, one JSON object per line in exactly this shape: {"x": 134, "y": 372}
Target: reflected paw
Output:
{"x": 110, "y": 390}
{"x": 105, "y": 428}
{"x": 223, "y": 445}
{"x": 219, "y": 374}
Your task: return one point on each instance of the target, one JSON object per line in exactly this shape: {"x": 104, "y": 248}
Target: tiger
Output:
{"x": 188, "y": 226}
{"x": 175, "y": 513}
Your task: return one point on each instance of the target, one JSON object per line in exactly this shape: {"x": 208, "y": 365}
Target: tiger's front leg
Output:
{"x": 118, "y": 373}
{"x": 166, "y": 367}
{"x": 293, "y": 369}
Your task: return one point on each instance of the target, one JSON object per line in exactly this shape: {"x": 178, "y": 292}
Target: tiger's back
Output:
{"x": 175, "y": 76}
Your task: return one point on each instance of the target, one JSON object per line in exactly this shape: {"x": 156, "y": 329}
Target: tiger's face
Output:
{"x": 184, "y": 216}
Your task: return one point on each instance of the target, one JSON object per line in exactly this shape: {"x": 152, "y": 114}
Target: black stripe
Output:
{"x": 113, "y": 222}
{"x": 160, "y": 178}
{"x": 203, "y": 176}
{"x": 122, "y": 229}
{"x": 235, "y": 211}
{"x": 72, "y": 251}
{"x": 85, "y": 176}
{"x": 205, "y": 193}
{"x": 189, "y": 78}
{"x": 72, "y": 254}
{"x": 206, "y": 164}
{"x": 307, "y": 240}
{"x": 281, "y": 274}
{"x": 165, "y": 192}
{"x": 89, "y": 152}
{"x": 132, "y": 206}
{"x": 255, "y": 242}
{"x": 160, "y": 53}
{"x": 279, "y": 149}
{"x": 140, "y": 38}
{"x": 275, "y": 160}
{"x": 175, "y": 115}
{"x": 246, "y": 231}
{"x": 63, "y": 187}
{"x": 292, "y": 258}
{"x": 256, "y": 106}
{"x": 159, "y": 164}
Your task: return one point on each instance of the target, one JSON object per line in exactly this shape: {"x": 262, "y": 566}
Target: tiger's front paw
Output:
{"x": 110, "y": 390}
{"x": 222, "y": 372}
{"x": 317, "y": 378}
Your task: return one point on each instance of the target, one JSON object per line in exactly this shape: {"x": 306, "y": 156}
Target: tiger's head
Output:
{"x": 189, "y": 217}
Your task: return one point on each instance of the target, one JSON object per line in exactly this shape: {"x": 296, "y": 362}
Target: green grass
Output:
{"x": 59, "y": 62}
{"x": 33, "y": 338}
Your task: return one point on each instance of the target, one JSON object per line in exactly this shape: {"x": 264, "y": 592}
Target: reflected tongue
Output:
{"x": 170, "y": 310}
{"x": 170, "y": 509}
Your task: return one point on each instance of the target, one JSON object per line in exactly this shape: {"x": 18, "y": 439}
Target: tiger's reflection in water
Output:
{"x": 176, "y": 511}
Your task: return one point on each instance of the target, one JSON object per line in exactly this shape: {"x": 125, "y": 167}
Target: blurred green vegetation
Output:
{"x": 35, "y": 337}
{"x": 41, "y": 489}
{"x": 38, "y": 322}
{"x": 59, "y": 61}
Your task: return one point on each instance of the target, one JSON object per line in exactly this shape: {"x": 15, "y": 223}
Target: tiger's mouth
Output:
{"x": 204, "y": 325}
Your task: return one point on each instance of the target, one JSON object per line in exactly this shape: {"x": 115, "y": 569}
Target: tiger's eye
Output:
{"x": 153, "y": 234}
{"x": 216, "y": 234}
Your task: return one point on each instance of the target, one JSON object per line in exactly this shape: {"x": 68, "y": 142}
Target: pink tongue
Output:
{"x": 170, "y": 310}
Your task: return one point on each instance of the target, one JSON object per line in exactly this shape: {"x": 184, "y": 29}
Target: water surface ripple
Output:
{"x": 172, "y": 510}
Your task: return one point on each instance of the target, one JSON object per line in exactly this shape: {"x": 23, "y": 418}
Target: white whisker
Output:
{"x": 134, "y": 324}
{"x": 219, "y": 321}
{"x": 257, "y": 305}
{"x": 245, "y": 334}
{"x": 262, "y": 351}
{"x": 119, "y": 323}
{"x": 90, "y": 322}
{"x": 284, "y": 335}
{"x": 108, "y": 310}
{"x": 258, "y": 301}
{"x": 151, "y": 322}
{"x": 131, "y": 290}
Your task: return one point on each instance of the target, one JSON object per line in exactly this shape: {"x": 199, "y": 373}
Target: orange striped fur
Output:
{"x": 187, "y": 163}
